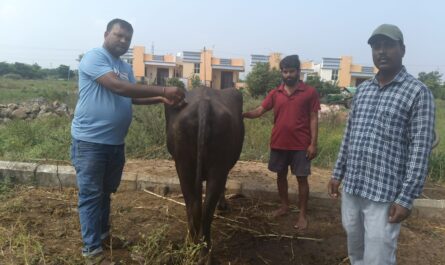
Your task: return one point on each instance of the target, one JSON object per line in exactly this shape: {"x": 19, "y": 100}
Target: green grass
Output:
{"x": 155, "y": 248}
{"x": 437, "y": 159}
{"x": 440, "y": 124}
{"x": 146, "y": 137}
{"x": 16, "y": 91}
{"x": 6, "y": 186}
{"x": 38, "y": 139}
{"x": 50, "y": 138}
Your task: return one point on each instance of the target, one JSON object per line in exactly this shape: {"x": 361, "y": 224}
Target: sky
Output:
{"x": 55, "y": 32}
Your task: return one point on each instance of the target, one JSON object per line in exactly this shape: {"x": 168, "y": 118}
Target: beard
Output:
{"x": 290, "y": 81}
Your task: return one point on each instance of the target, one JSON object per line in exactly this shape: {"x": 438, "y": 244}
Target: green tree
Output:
{"x": 323, "y": 88}
{"x": 174, "y": 81}
{"x": 5, "y": 68}
{"x": 262, "y": 79}
{"x": 196, "y": 81}
{"x": 433, "y": 80}
{"x": 64, "y": 72}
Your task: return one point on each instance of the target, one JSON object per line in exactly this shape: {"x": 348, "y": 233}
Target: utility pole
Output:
{"x": 68, "y": 73}
{"x": 152, "y": 48}
{"x": 205, "y": 79}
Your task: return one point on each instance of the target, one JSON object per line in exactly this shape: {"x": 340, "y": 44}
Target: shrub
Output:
{"x": 174, "y": 81}
{"x": 437, "y": 166}
{"x": 323, "y": 88}
{"x": 262, "y": 79}
{"x": 196, "y": 81}
{"x": 13, "y": 76}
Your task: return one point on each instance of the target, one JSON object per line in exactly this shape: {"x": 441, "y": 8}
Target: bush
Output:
{"x": 13, "y": 76}
{"x": 262, "y": 79}
{"x": 323, "y": 88}
{"x": 196, "y": 81}
{"x": 437, "y": 166}
{"x": 174, "y": 81}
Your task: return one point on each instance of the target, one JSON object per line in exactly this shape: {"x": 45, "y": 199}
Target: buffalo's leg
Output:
{"x": 215, "y": 186}
{"x": 192, "y": 198}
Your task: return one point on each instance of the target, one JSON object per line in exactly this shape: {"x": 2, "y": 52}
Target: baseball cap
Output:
{"x": 388, "y": 30}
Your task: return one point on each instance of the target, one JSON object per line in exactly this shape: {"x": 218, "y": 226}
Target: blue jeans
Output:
{"x": 99, "y": 171}
{"x": 371, "y": 239}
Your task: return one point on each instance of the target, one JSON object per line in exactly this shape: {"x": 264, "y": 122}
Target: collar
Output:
{"x": 399, "y": 78}
{"x": 300, "y": 87}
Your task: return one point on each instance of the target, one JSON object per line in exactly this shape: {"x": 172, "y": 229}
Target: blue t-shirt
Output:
{"x": 101, "y": 116}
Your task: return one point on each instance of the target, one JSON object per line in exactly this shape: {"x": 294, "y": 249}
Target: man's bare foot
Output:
{"x": 301, "y": 223}
{"x": 283, "y": 210}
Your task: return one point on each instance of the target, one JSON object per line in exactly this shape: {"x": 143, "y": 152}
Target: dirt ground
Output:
{"x": 40, "y": 226}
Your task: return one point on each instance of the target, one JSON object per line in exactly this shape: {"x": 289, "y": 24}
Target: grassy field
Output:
{"x": 12, "y": 91}
{"x": 49, "y": 139}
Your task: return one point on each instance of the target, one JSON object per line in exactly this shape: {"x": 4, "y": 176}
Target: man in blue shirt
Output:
{"x": 102, "y": 117}
{"x": 383, "y": 159}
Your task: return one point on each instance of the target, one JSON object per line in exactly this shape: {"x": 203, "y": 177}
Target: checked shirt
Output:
{"x": 384, "y": 153}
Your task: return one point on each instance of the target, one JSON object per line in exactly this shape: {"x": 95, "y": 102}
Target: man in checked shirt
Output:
{"x": 383, "y": 159}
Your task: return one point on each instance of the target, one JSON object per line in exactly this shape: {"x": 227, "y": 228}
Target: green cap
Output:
{"x": 388, "y": 30}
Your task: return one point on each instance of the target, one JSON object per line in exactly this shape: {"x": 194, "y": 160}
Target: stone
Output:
{"x": 12, "y": 106}
{"x": 19, "y": 113}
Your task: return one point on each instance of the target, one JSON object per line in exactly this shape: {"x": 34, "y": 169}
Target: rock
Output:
{"x": 19, "y": 113}
{"x": 4, "y": 113}
{"x": 12, "y": 106}
{"x": 35, "y": 108}
{"x": 47, "y": 114}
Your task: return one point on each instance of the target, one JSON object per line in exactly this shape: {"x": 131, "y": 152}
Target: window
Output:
{"x": 197, "y": 68}
{"x": 334, "y": 76}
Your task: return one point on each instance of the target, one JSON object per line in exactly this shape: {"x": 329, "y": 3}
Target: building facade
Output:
{"x": 336, "y": 70}
{"x": 213, "y": 72}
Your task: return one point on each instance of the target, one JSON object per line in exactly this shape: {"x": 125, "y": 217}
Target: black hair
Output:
{"x": 291, "y": 61}
{"x": 124, "y": 24}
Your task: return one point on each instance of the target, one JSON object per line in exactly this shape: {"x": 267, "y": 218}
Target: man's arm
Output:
{"x": 150, "y": 101}
{"x": 312, "y": 149}
{"x": 420, "y": 134}
{"x": 254, "y": 113}
{"x": 112, "y": 82}
{"x": 340, "y": 165}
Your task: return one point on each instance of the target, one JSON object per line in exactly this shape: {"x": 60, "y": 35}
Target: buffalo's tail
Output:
{"x": 203, "y": 119}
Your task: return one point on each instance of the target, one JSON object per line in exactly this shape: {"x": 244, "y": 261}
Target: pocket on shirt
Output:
{"x": 391, "y": 126}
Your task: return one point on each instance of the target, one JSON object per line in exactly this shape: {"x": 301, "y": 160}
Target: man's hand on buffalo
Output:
{"x": 175, "y": 95}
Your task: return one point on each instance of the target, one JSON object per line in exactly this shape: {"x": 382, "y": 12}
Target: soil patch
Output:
{"x": 41, "y": 226}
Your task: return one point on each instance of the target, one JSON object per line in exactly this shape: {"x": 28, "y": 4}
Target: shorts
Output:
{"x": 279, "y": 160}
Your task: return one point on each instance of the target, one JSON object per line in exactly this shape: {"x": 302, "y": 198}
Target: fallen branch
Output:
{"x": 256, "y": 233}
{"x": 423, "y": 194}
{"x": 183, "y": 204}
{"x": 291, "y": 237}
{"x": 163, "y": 197}
{"x": 344, "y": 260}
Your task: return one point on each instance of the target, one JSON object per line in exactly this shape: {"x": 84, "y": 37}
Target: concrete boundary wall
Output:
{"x": 42, "y": 175}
